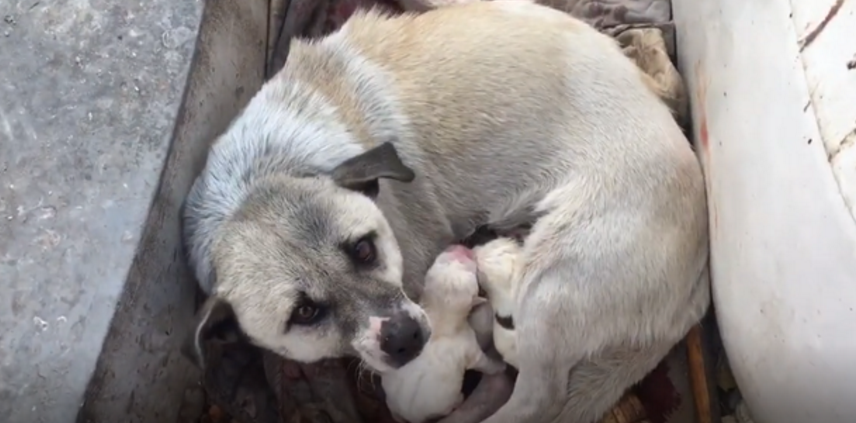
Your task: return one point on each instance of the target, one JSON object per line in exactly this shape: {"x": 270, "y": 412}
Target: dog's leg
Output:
{"x": 491, "y": 393}
{"x": 596, "y": 385}
{"x": 591, "y": 283}
{"x": 481, "y": 362}
{"x": 543, "y": 371}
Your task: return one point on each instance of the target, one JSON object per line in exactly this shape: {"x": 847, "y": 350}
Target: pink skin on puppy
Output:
{"x": 459, "y": 253}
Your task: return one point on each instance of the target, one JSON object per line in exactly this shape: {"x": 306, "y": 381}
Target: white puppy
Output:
{"x": 429, "y": 386}
{"x": 499, "y": 262}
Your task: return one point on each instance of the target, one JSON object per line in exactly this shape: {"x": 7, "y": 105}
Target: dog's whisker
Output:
{"x": 364, "y": 372}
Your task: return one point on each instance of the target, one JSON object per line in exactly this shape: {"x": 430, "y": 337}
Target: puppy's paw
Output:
{"x": 497, "y": 262}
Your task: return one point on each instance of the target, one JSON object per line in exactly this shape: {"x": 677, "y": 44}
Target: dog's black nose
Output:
{"x": 402, "y": 338}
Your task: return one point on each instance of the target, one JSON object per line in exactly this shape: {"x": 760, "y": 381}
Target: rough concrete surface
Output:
{"x": 90, "y": 93}
{"x": 141, "y": 376}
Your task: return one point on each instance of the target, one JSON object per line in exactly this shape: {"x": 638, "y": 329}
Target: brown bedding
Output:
{"x": 609, "y": 13}
{"x": 315, "y": 17}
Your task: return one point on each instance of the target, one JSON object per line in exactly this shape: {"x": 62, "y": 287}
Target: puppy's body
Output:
{"x": 503, "y": 110}
{"x": 430, "y": 386}
{"x": 499, "y": 263}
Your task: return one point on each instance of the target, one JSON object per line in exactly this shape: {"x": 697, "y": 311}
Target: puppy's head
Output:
{"x": 451, "y": 284}
{"x": 498, "y": 262}
{"x": 309, "y": 268}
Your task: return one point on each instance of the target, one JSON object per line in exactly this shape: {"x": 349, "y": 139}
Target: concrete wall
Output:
{"x": 106, "y": 112}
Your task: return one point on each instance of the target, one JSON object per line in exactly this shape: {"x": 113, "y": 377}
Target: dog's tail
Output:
{"x": 597, "y": 385}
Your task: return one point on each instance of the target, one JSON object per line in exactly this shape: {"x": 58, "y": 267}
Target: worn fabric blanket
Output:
{"x": 312, "y": 18}
{"x": 253, "y": 386}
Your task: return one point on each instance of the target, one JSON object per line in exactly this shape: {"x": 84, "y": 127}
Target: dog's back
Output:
{"x": 453, "y": 94}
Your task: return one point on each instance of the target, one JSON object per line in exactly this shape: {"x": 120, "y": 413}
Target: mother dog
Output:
{"x": 374, "y": 148}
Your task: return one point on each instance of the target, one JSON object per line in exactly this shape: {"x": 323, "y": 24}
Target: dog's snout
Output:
{"x": 402, "y": 338}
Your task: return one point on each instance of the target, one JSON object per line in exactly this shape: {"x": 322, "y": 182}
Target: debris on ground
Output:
{"x": 732, "y": 405}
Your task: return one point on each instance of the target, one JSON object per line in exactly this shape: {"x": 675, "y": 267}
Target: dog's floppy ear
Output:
{"x": 214, "y": 317}
{"x": 361, "y": 173}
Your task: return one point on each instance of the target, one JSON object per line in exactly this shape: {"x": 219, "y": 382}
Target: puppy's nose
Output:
{"x": 402, "y": 338}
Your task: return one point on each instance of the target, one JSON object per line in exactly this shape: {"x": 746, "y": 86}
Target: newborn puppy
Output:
{"x": 499, "y": 262}
{"x": 429, "y": 386}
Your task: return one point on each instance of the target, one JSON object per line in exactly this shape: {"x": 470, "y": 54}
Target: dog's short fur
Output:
{"x": 499, "y": 262}
{"x": 379, "y": 145}
{"x": 429, "y": 386}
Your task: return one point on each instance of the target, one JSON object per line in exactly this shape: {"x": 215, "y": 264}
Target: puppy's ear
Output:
{"x": 361, "y": 173}
{"x": 214, "y": 318}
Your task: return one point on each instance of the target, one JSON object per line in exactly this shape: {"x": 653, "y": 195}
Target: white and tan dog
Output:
{"x": 378, "y": 146}
{"x": 499, "y": 264}
{"x": 429, "y": 386}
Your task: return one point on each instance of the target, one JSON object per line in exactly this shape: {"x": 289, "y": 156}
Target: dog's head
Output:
{"x": 309, "y": 268}
{"x": 498, "y": 262}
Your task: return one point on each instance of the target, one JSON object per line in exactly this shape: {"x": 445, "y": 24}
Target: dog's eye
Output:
{"x": 363, "y": 252}
{"x": 306, "y": 314}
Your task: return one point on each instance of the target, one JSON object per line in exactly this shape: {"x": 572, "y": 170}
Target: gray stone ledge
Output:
{"x": 100, "y": 136}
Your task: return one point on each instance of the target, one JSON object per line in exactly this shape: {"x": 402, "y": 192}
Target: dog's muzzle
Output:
{"x": 402, "y": 338}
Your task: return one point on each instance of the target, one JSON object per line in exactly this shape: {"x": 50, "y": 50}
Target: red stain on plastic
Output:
{"x": 702, "y": 133}
{"x": 701, "y": 104}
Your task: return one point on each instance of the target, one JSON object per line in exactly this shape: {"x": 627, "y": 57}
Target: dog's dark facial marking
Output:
{"x": 506, "y": 322}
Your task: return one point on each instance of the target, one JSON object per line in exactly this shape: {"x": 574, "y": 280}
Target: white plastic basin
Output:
{"x": 774, "y": 106}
